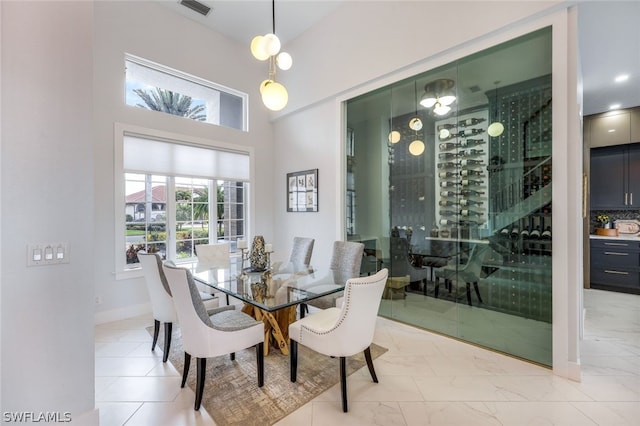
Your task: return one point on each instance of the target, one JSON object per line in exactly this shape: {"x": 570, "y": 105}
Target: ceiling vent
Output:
{"x": 196, "y": 6}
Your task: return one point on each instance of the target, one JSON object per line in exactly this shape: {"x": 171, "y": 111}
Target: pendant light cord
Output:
{"x": 495, "y": 105}
{"x": 273, "y": 14}
{"x": 415, "y": 95}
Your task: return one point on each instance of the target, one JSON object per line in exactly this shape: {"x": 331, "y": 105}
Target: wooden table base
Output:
{"x": 276, "y": 326}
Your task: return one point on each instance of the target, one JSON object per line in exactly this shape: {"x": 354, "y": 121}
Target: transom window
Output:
{"x": 159, "y": 88}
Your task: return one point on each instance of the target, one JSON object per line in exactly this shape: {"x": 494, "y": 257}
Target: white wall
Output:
{"x": 366, "y": 40}
{"x": 155, "y": 33}
{"x": 363, "y": 46}
{"x": 47, "y": 196}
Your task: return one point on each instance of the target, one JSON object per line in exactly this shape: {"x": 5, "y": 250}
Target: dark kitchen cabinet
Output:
{"x": 615, "y": 177}
{"x": 615, "y": 265}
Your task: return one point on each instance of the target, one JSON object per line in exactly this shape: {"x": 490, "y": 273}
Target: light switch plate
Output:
{"x": 39, "y": 254}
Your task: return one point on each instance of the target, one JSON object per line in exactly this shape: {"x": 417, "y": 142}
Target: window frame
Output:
{"x": 191, "y": 79}
{"x": 120, "y": 131}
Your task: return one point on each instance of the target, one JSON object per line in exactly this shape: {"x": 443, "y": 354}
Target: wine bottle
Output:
{"x": 469, "y": 182}
{"x": 524, "y": 234}
{"x": 448, "y": 156}
{"x": 535, "y": 234}
{"x": 448, "y": 194}
{"x": 472, "y": 152}
{"x": 444, "y": 175}
{"x": 465, "y": 202}
{"x": 470, "y": 192}
{"x": 469, "y": 132}
{"x": 446, "y": 126}
{"x": 447, "y": 165}
{"x": 447, "y": 203}
{"x": 515, "y": 232}
{"x": 467, "y": 172}
{"x": 546, "y": 235}
{"x": 443, "y": 136}
{"x": 448, "y": 146}
{"x": 447, "y": 213}
{"x": 472, "y": 142}
{"x": 447, "y": 184}
{"x": 471, "y": 162}
{"x": 470, "y": 122}
{"x": 504, "y": 233}
{"x": 470, "y": 213}
{"x": 447, "y": 222}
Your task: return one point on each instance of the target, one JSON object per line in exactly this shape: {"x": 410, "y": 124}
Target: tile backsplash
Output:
{"x": 613, "y": 215}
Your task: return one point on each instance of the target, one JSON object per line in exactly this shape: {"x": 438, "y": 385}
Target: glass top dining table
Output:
{"x": 281, "y": 286}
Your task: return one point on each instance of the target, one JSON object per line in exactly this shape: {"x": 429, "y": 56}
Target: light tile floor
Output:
{"x": 425, "y": 379}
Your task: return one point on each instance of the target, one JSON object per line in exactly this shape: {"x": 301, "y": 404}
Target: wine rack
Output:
{"x": 461, "y": 180}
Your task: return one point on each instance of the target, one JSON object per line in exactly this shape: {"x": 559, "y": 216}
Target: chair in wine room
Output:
{"x": 469, "y": 273}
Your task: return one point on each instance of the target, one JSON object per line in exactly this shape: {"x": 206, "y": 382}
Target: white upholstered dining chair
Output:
{"x": 161, "y": 298}
{"x": 213, "y": 255}
{"x": 345, "y": 263}
{"x": 342, "y": 332}
{"x": 301, "y": 251}
{"x": 216, "y": 254}
{"x": 204, "y": 336}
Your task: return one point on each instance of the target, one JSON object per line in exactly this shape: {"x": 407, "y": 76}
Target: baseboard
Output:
{"x": 122, "y": 313}
{"x": 573, "y": 371}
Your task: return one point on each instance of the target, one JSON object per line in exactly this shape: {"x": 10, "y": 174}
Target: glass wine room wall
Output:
{"x": 449, "y": 186}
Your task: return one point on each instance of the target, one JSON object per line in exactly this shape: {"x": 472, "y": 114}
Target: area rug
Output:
{"x": 231, "y": 393}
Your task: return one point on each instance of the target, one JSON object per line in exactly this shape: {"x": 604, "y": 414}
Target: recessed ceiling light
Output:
{"x": 614, "y": 106}
{"x": 611, "y": 130}
{"x": 621, "y": 78}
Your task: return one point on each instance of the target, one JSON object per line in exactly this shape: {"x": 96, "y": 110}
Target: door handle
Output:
{"x": 616, "y": 254}
{"x": 631, "y": 198}
{"x": 626, "y": 198}
{"x": 616, "y": 244}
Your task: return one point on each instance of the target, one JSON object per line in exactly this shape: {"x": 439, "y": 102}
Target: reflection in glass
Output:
{"x": 474, "y": 205}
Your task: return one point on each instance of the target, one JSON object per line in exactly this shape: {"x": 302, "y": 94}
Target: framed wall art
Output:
{"x": 302, "y": 191}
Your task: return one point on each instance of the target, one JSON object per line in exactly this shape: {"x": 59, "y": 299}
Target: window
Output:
{"x": 179, "y": 197}
{"x": 159, "y": 88}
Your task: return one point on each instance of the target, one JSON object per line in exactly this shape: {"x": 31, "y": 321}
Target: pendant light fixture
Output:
{"x": 496, "y": 128}
{"x": 417, "y": 146}
{"x": 394, "y": 136}
{"x": 439, "y": 95}
{"x": 267, "y": 47}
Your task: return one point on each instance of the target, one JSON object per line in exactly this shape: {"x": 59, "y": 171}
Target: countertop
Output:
{"x": 628, "y": 237}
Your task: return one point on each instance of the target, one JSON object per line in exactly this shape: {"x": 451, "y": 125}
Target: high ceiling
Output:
{"x": 609, "y": 37}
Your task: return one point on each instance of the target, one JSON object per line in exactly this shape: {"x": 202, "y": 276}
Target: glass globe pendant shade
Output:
{"x": 447, "y": 100}
{"x": 271, "y": 44}
{"x": 264, "y": 84}
{"x": 284, "y": 61}
{"x": 274, "y": 96}
{"x": 416, "y": 147}
{"x": 394, "y": 136}
{"x": 440, "y": 109}
{"x": 258, "y": 48}
{"x": 495, "y": 129}
{"x": 428, "y": 101}
{"x": 415, "y": 124}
